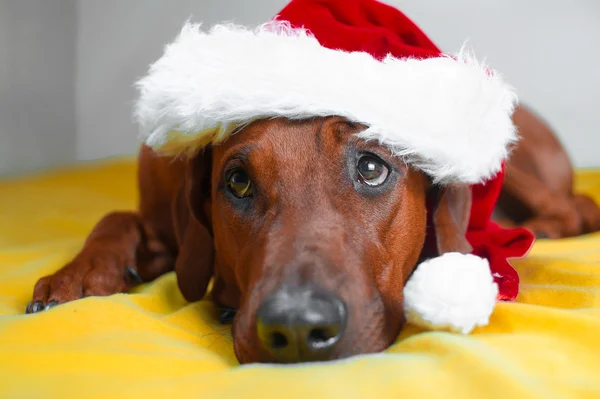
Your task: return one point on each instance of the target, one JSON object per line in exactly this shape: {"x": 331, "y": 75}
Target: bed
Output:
{"x": 153, "y": 344}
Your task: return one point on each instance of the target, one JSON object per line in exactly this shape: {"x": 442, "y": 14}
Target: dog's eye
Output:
{"x": 371, "y": 170}
{"x": 239, "y": 183}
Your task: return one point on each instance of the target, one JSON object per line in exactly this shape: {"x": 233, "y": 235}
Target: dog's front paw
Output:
{"x": 86, "y": 276}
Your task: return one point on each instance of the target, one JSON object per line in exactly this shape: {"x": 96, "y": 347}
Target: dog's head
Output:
{"x": 310, "y": 229}
{"x": 310, "y": 233}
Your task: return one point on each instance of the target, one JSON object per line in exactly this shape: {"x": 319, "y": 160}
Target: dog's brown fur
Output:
{"x": 310, "y": 220}
{"x": 538, "y": 185}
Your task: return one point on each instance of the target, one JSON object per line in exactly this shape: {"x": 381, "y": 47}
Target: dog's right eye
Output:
{"x": 371, "y": 170}
{"x": 238, "y": 183}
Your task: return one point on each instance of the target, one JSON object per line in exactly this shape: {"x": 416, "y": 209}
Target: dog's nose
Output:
{"x": 301, "y": 324}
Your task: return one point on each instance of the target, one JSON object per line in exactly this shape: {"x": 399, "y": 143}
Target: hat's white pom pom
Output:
{"x": 454, "y": 292}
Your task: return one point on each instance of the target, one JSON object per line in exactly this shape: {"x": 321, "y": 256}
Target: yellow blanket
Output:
{"x": 152, "y": 344}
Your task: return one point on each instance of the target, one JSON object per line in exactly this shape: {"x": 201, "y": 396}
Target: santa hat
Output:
{"x": 449, "y": 116}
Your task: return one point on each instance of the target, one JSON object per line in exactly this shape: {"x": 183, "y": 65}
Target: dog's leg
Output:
{"x": 125, "y": 248}
{"x": 552, "y": 215}
{"x": 122, "y": 251}
{"x": 538, "y": 186}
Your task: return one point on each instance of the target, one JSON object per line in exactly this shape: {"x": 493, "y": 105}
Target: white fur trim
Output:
{"x": 452, "y": 292}
{"x": 450, "y": 117}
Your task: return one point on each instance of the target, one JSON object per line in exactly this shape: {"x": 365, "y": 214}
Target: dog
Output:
{"x": 311, "y": 252}
{"x": 308, "y": 230}
{"x": 333, "y": 215}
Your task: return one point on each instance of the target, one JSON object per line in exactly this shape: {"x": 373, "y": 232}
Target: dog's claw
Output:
{"x": 37, "y": 307}
{"x": 34, "y": 307}
{"x": 134, "y": 276}
{"x": 226, "y": 316}
{"x": 51, "y": 305}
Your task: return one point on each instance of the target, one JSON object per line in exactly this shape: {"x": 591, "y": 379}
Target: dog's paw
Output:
{"x": 94, "y": 276}
{"x": 543, "y": 228}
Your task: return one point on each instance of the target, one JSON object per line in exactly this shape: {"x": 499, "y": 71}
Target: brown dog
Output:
{"x": 310, "y": 234}
{"x": 538, "y": 185}
{"x": 303, "y": 227}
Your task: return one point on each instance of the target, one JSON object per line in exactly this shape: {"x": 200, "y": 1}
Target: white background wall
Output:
{"x": 37, "y": 85}
{"x": 117, "y": 40}
{"x": 546, "y": 48}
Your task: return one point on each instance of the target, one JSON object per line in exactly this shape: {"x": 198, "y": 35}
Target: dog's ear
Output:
{"x": 191, "y": 215}
{"x": 451, "y": 218}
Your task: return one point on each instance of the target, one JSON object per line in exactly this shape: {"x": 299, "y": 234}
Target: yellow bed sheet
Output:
{"x": 152, "y": 344}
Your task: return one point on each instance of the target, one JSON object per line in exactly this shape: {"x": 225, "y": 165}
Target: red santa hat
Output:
{"x": 449, "y": 116}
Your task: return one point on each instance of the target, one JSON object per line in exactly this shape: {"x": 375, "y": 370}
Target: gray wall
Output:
{"x": 547, "y": 49}
{"x": 94, "y": 50}
{"x": 117, "y": 40}
{"x": 37, "y": 84}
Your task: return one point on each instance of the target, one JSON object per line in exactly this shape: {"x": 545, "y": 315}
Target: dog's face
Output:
{"x": 315, "y": 233}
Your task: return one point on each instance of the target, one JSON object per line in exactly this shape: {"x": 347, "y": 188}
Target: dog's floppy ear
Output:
{"x": 451, "y": 218}
{"x": 191, "y": 215}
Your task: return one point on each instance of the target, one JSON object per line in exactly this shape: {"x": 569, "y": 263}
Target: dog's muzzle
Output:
{"x": 301, "y": 324}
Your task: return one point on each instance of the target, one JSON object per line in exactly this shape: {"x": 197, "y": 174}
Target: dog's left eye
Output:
{"x": 239, "y": 184}
{"x": 371, "y": 170}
